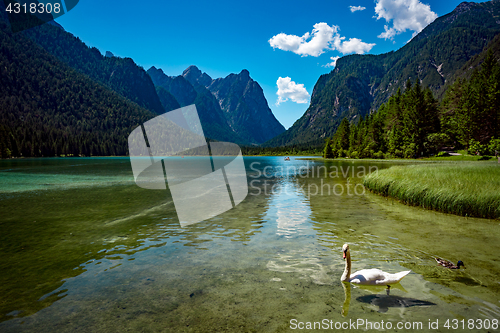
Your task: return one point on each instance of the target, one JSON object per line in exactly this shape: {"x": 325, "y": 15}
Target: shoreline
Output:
{"x": 126, "y": 156}
{"x": 464, "y": 189}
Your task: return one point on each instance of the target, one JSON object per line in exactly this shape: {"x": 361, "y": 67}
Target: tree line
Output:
{"x": 413, "y": 123}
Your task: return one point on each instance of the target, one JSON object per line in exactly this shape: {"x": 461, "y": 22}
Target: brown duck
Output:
{"x": 449, "y": 264}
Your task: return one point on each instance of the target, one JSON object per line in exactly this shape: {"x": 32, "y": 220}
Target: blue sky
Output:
{"x": 285, "y": 42}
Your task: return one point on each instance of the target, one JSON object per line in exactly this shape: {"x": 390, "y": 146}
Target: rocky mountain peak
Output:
{"x": 245, "y": 74}
{"x": 233, "y": 108}
{"x": 156, "y": 70}
{"x": 464, "y": 7}
{"x": 195, "y": 76}
{"x": 192, "y": 70}
{"x": 245, "y": 107}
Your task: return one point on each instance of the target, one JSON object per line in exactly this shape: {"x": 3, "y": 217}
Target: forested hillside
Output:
{"x": 359, "y": 84}
{"x": 413, "y": 124}
{"x": 50, "y": 109}
{"x": 122, "y": 75}
{"x": 59, "y": 97}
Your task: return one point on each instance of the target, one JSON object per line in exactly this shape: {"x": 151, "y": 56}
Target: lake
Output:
{"x": 85, "y": 249}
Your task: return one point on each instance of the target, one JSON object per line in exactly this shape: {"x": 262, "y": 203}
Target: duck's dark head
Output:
{"x": 460, "y": 263}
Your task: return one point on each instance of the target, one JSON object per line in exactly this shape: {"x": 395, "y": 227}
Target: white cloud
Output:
{"x": 356, "y": 8}
{"x": 405, "y": 15}
{"x": 322, "y": 39}
{"x": 287, "y": 89}
{"x": 333, "y": 63}
{"x": 353, "y": 45}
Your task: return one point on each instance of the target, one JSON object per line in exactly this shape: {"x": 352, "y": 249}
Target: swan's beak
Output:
{"x": 343, "y": 255}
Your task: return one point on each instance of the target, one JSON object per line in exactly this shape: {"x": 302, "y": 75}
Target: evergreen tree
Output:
{"x": 328, "y": 152}
{"x": 470, "y": 111}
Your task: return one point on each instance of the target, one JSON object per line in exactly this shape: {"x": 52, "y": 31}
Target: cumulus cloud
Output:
{"x": 287, "y": 89}
{"x": 333, "y": 63}
{"x": 405, "y": 15}
{"x": 353, "y": 45}
{"x": 322, "y": 39}
{"x": 356, "y": 8}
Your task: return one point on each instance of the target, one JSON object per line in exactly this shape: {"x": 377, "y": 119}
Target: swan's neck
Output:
{"x": 347, "y": 271}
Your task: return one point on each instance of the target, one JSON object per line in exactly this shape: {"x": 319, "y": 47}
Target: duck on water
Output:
{"x": 449, "y": 264}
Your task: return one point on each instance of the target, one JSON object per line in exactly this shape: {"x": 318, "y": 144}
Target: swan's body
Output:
{"x": 372, "y": 276}
{"x": 449, "y": 264}
{"x": 376, "y": 277}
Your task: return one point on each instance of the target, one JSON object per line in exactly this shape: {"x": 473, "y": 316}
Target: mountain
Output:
{"x": 246, "y": 120}
{"x": 359, "y": 84}
{"x": 48, "y": 108}
{"x": 475, "y": 62}
{"x": 231, "y": 106}
{"x": 167, "y": 99}
{"x": 195, "y": 76}
{"x": 245, "y": 107}
{"x": 181, "y": 93}
{"x": 122, "y": 75}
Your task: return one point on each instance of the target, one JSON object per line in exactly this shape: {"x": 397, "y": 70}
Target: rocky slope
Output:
{"x": 359, "y": 84}
{"x": 235, "y": 103}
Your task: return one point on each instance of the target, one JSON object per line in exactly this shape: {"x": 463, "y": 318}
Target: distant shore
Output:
{"x": 69, "y": 157}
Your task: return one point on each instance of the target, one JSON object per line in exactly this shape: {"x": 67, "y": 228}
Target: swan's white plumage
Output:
{"x": 376, "y": 277}
{"x": 372, "y": 276}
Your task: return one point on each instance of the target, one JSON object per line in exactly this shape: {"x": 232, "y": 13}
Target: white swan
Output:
{"x": 372, "y": 276}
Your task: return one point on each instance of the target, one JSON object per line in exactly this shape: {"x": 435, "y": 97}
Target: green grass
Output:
{"x": 467, "y": 189}
{"x": 453, "y": 158}
{"x": 460, "y": 158}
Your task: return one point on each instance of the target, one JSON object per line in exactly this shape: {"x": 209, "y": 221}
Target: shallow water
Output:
{"x": 85, "y": 249}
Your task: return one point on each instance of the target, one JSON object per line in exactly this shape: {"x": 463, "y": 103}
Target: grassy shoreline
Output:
{"x": 461, "y": 188}
{"x": 456, "y": 158}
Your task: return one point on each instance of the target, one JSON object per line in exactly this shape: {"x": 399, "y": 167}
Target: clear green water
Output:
{"x": 84, "y": 249}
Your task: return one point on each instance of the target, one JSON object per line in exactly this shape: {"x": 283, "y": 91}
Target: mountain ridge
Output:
{"x": 242, "y": 101}
{"x": 241, "y": 105}
{"x": 359, "y": 84}
{"x": 122, "y": 75}
{"x": 48, "y": 108}
{"x": 184, "y": 93}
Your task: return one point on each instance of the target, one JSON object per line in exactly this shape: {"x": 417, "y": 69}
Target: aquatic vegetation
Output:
{"x": 467, "y": 189}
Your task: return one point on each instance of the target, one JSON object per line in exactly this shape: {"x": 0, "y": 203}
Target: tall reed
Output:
{"x": 467, "y": 189}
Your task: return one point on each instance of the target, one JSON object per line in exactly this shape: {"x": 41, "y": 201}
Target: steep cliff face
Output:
{"x": 178, "y": 91}
{"x": 245, "y": 107}
{"x": 359, "y": 84}
{"x": 178, "y": 86}
{"x": 167, "y": 99}
{"x": 194, "y": 75}
{"x": 235, "y": 101}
